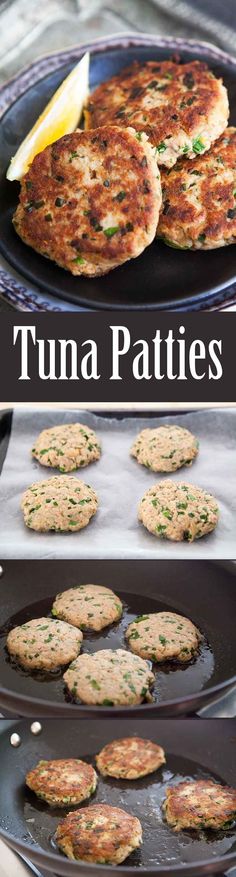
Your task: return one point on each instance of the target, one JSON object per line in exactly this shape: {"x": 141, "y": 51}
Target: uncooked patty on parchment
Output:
{"x": 120, "y": 483}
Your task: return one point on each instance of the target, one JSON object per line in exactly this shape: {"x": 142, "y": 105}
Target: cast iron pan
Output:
{"x": 161, "y": 278}
{"x": 194, "y": 750}
{"x": 202, "y": 591}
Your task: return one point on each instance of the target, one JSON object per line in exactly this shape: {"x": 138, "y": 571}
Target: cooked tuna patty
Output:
{"x": 199, "y": 200}
{"x": 99, "y": 833}
{"x": 130, "y": 758}
{"x": 91, "y": 201}
{"x": 165, "y": 448}
{"x": 88, "y": 606}
{"x": 62, "y": 782}
{"x": 109, "y": 678}
{"x": 200, "y": 804}
{"x": 60, "y": 503}
{"x": 163, "y": 636}
{"x": 178, "y": 511}
{"x": 44, "y": 644}
{"x": 182, "y": 108}
{"x": 67, "y": 447}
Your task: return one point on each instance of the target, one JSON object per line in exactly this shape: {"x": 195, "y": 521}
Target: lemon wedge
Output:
{"x": 61, "y": 116}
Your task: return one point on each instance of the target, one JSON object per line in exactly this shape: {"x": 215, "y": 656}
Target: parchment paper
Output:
{"x": 120, "y": 482}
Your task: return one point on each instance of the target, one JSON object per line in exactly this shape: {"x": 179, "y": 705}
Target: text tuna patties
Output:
{"x": 91, "y": 201}
{"x": 44, "y": 644}
{"x": 130, "y": 758}
{"x": 60, "y": 503}
{"x": 182, "y": 108}
{"x": 88, "y": 606}
{"x": 67, "y": 447}
{"x": 110, "y": 678}
{"x": 63, "y": 781}
{"x": 165, "y": 448}
{"x": 163, "y": 636}
{"x": 199, "y": 200}
{"x": 178, "y": 511}
{"x": 99, "y": 833}
{"x": 200, "y": 804}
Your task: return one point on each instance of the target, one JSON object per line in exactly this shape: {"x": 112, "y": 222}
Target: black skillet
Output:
{"x": 194, "y": 749}
{"x": 203, "y": 591}
{"x": 161, "y": 278}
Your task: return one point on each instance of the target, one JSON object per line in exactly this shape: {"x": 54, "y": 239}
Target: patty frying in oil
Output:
{"x": 88, "y": 607}
{"x": 62, "y": 782}
{"x": 200, "y": 804}
{"x": 44, "y": 644}
{"x": 164, "y": 636}
{"x": 130, "y": 758}
{"x": 99, "y": 833}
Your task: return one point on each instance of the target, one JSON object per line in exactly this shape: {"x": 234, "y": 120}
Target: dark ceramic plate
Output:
{"x": 161, "y": 278}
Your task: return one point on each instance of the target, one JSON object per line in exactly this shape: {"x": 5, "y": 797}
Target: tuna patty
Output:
{"x": 130, "y": 758}
{"x": 163, "y": 636}
{"x": 99, "y": 833}
{"x": 60, "y": 503}
{"x": 109, "y": 678}
{"x": 67, "y": 447}
{"x": 165, "y": 448}
{"x": 44, "y": 644}
{"x": 199, "y": 200}
{"x": 178, "y": 511}
{"x": 200, "y": 804}
{"x": 182, "y": 108}
{"x": 88, "y": 606}
{"x": 91, "y": 201}
{"x": 62, "y": 782}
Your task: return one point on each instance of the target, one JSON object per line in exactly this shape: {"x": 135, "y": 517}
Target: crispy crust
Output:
{"x": 99, "y": 833}
{"x": 91, "y": 201}
{"x": 199, "y": 200}
{"x": 175, "y": 104}
{"x": 200, "y": 804}
{"x": 62, "y": 781}
{"x": 178, "y": 511}
{"x": 130, "y": 758}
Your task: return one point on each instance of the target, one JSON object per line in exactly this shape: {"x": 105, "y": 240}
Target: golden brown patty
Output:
{"x": 91, "y": 201}
{"x": 62, "y": 781}
{"x": 163, "y": 636}
{"x": 60, "y": 503}
{"x": 130, "y": 758}
{"x": 165, "y": 448}
{"x": 199, "y": 200}
{"x": 67, "y": 447}
{"x": 44, "y": 644}
{"x": 99, "y": 833}
{"x": 178, "y": 511}
{"x": 182, "y": 108}
{"x": 88, "y": 606}
{"x": 200, "y": 804}
{"x": 110, "y": 677}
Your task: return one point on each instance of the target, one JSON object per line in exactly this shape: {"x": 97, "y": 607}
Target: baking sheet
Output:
{"x": 120, "y": 482}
